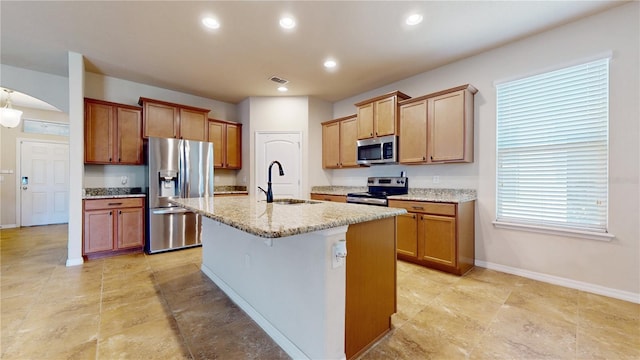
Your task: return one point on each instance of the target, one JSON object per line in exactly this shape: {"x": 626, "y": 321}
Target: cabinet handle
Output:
{"x": 432, "y": 158}
{"x": 413, "y": 216}
{"x": 119, "y": 212}
{"x": 370, "y": 134}
{"x": 109, "y": 159}
{"x": 110, "y": 213}
{"x": 113, "y": 204}
{"x": 424, "y": 158}
{"x": 327, "y": 199}
{"x": 417, "y": 207}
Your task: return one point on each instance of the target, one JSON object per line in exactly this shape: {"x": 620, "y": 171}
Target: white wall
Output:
{"x": 276, "y": 114}
{"x": 607, "y": 266}
{"x": 52, "y": 89}
{"x": 319, "y": 111}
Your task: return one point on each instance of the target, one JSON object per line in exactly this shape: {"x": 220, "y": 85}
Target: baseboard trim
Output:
{"x": 569, "y": 283}
{"x": 8, "y": 226}
{"x": 289, "y": 347}
{"x": 75, "y": 262}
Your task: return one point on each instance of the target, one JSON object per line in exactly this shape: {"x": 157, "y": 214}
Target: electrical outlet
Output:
{"x": 436, "y": 179}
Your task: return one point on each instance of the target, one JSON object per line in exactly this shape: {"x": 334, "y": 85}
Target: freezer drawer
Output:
{"x": 173, "y": 228}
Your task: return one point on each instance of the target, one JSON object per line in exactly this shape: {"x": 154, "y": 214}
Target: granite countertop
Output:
{"x": 278, "y": 220}
{"x": 112, "y": 193}
{"x": 229, "y": 190}
{"x": 415, "y": 194}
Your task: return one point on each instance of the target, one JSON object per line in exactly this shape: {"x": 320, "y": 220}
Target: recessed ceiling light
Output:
{"x": 414, "y": 19}
{"x": 282, "y": 89}
{"x": 211, "y": 23}
{"x": 287, "y": 22}
{"x": 330, "y": 64}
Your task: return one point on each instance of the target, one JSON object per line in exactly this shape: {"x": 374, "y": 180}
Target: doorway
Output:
{"x": 286, "y": 148}
{"x": 43, "y": 182}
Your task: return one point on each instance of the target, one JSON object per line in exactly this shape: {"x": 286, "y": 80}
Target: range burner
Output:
{"x": 379, "y": 189}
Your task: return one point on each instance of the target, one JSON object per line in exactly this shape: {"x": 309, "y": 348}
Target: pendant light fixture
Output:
{"x": 9, "y": 117}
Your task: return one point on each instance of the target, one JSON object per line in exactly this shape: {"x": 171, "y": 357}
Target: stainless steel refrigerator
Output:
{"x": 177, "y": 168}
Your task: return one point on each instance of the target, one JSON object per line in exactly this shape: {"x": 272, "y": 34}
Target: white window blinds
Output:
{"x": 552, "y": 149}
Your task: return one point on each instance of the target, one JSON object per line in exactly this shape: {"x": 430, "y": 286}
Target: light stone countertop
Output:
{"x": 415, "y": 194}
{"x": 94, "y": 197}
{"x": 278, "y": 220}
{"x": 113, "y": 193}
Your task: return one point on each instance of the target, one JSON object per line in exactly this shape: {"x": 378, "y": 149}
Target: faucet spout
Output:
{"x": 269, "y": 192}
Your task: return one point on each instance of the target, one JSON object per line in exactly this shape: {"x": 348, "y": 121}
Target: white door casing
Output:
{"x": 286, "y": 148}
{"x": 44, "y": 193}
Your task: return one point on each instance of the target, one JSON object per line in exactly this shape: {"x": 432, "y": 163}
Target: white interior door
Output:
{"x": 284, "y": 147}
{"x": 44, "y": 183}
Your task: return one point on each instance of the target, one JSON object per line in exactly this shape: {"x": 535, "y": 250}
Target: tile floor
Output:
{"x": 163, "y": 307}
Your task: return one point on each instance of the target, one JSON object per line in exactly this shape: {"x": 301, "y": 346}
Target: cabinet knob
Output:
{"x": 424, "y": 158}
{"x": 110, "y": 213}
{"x": 432, "y": 158}
{"x": 370, "y": 134}
{"x": 109, "y": 159}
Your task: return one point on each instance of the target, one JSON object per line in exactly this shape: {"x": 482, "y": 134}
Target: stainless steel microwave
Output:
{"x": 382, "y": 150}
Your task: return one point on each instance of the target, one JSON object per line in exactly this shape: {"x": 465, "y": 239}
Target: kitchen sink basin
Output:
{"x": 293, "y": 201}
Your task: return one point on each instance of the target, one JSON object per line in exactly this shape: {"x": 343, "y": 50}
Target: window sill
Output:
{"x": 591, "y": 235}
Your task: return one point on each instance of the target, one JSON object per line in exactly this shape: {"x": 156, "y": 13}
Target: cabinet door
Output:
{"x": 160, "y": 120}
{"x": 333, "y": 198}
{"x": 193, "y": 125}
{"x": 98, "y": 133}
{"x": 331, "y": 145}
{"x": 407, "y": 235}
{"x": 365, "y": 121}
{"x": 437, "y": 236}
{"x": 348, "y": 139}
{"x": 98, "y": 231}
{"x": 446, "y": 127}
{"x": 216, "y": 136}
{"x": 129, "y": 148}
{"x": 130, "y": 228}
{"x": 233, "y": 149}
{"x": 385, "y": 116}
{"x": 413, "y": 132}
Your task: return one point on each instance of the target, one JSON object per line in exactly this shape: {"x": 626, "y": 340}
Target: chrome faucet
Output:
{"x": 269, "y": 191}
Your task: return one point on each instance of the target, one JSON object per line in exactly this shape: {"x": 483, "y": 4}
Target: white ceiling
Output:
{"x": 162, "y": 43}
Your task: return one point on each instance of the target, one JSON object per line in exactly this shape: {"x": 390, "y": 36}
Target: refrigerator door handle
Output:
{"x": 170, "y": 211}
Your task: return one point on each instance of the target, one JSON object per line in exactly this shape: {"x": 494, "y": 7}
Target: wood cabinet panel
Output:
{"x": 438, "y": 239}
{"x": 112, "y": 133}
{"x": 129, "y": 136}
{"x": 446, "y": 127}
{"x": 370, "y": 283}
{"x": 339, "y": 143}
{"x": 412, "y": 146}
{"x": 378, "y": 116}
{"x": 98, "y": 132}
{"x": 227, "y": 144}
{"x": 448, "y": 135}
{"x": 443, "y": 233}
{"x": 130, "y": 228}
{"x": 193, "y": 125}
{"x": 112, "y": 225}
{"x": 98, "y": 230}
{"x": 365, "y": 121}
{"x": 331, "y": 146}
{"x": 334, "y": 198}
{"x": 161, "y": 120}
{"x": 407, "y": 236}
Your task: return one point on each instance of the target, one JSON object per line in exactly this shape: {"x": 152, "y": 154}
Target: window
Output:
{"x": 552, "y": 149}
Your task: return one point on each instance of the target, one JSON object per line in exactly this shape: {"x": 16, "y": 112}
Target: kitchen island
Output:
{"x": 278, "y": 262}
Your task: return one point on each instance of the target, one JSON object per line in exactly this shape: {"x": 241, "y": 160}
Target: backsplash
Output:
{"x": 101, "y": 191}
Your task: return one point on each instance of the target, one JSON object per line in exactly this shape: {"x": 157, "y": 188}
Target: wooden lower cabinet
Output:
{"x": 112, "y": 225}
{"x": 437, "y": 235}
{"x": 334, "y": 198}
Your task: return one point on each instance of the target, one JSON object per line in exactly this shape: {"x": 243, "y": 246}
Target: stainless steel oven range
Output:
{"x": 379, "y": 189}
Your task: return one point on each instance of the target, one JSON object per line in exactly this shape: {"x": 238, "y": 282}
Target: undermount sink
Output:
{"x": 293, "y": 201}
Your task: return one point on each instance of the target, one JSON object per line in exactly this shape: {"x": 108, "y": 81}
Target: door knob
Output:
{"x": 24, "y": 188}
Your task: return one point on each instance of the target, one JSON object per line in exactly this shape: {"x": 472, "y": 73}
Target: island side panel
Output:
{"x": 371, "y": 283}
{"x": 289, "y": 288}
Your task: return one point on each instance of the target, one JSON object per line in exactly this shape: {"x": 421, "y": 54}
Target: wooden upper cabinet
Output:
{"x": 450, "y": 127}
{"x": 169, "y": 120}
{"x": 129, "y": 135}
{"x": 226, "y": 137}
{"x": 348, "y": 139}
{"x": 331, "y": 145}
{"x": 378, "y": 116}
{"x": 437, "y": 128}
{"x": 412, "y": 147}
{"x": 113, "y": 133}
{"x": 339, "y": 137}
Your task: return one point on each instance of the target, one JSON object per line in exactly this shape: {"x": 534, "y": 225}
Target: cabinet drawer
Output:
{"x": 334, "y": 198}
{"x": 425, "y": 207}
{"x": 114, "y": 203}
